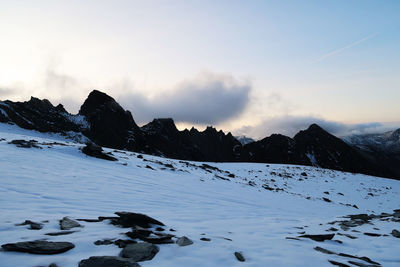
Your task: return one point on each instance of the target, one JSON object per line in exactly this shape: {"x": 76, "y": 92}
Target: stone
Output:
{"x": 184, "y": 241}
{"x": 32, "y": 225}
{"x": 130, "y": 219}
{"x": 239, "y": 256}
{"x": 395, "y": 233}
{"x": 96, "y": 151}
{"x": 121, "y": 243}
{"x": 205, "y": 239}
{"x": 103, "y": 242}
{"x": 140, "y": 252}
{"x": 323, "y": 250}
{"x": 319, "y": 238}
{"x": 336, "y": 263}
{"x": 67, "y": 224}
{"x": 108, "y": 261}
{"x": 39, "y": 247}
{"x": 60, "y": 233}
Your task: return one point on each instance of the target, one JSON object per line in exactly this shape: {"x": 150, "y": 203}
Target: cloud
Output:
{"x": 290, "y": 125}
{"x": 340, "y": 50}
{"x": 5, "y": 92}
{"x": 208, "y": 99}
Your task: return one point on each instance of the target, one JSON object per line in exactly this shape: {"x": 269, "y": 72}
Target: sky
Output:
{"x": 250, "y": 67}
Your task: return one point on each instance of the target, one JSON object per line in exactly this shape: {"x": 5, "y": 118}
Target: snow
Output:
{"x": 58, "y": 180}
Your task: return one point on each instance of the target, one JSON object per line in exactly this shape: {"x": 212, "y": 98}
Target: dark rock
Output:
{"x": 205, "y": 239}
{"x": 184, "y": 241}
{"x": 303, "y": 174}
{"x": 372, "y": 234}
{"x": 89, "y": 220}
{"x": 160, "y": 229}
{"x": 32, "y": 225}
{"x": 123, "y": 243}
{"x": 104, "y": 242}
{"x": 60, "y": 233}
{"x": 319, "y": 238}
{"x": 67, "y": 224}
{"x": 39, "y": 247}
{"x": 140, "y": 252}
{"x": 239, "y": 256}
{"x": 108, "y": 261}
{"x": 130, "y": 219}
{"x": 96, "y": 151}
{"x": 326, "y": 199}
{"x": 324, "y": 250}
{"x": 25, "y": 143}
{"x": 395, "y": 233}
{"x": 362, "y": 264}
{"x": 158, "y": 239}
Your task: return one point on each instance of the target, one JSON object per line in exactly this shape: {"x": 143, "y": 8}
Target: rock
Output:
{"x": 362, "y": 264}
{"x": 103, "y": 242}
{"x": 130, "y": 219}
{"x": 239, "y": 256}
{"x": 372, "y": 234}
{"x": 123, "y": 243}
{"x": 96, "y": 151}
{"x": 205, "y": 239}
{"x": 25, "y": 143}
{"x": 140, "y": 252}
{"x": 67, "y": 224}
{"x": 32, "y": 225}
{"x": 39, "y": 247}
{"x": 160, "y": 229}
{"x": 326, "y": 199}
{"x": 395, "y": 233}
{"x": 158, "y": 239}
{"x": 303, "y": 174}
{"x": 108, "y": 261}
{"x": 60, "y": 233}
{"x": 53, "y": 265}
{"x": 323, "y": 250}
{"x": 184, "y": 241}
{"x": 319, "y": 238}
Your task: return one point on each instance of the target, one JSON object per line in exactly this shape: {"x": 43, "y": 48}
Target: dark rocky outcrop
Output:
{"x": 319, "y": 238}
{"x": 110, "y": 124}
{"x": 108, "y": 261}
{"x": 184, "y": 241}
{"x": 239, "y": 256}
{"x": 39, "y": 247}
{"x": 67, "y": 224}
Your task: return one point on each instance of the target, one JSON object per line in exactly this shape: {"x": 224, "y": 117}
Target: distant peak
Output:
{"x": 315, "y": 127}
{"x": 94, "y": 100}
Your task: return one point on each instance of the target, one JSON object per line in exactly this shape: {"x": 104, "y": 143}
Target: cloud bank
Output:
{"x": 290, "y": 125}
{"x": 207, "y": 99}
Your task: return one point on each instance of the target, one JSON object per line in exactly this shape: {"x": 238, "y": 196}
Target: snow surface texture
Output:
{"x": 59, "y": 180}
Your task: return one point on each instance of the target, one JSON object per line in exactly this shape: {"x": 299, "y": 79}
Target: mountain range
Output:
{"x": 102, "y": 120}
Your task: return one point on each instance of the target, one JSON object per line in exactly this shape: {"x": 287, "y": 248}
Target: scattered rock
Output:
{"x": 140, "y": 252}
{"x": 184, "y": 241}
{"x": 160, "y": 229}
{"x": 239, "y": 256}
{"x": 205, "y": 239}
{"x": 130, "y": 219}
{"x": 67, "y": 224}
{"x": 303, "y": 174}
{"x": 96, "y": 151}
{"x": 326, "y": 199}
{"x": 324, "y": 250}
{"x": 39, "y": 247}
{"x": 319, "y": 238}
{"x": 108, "y": 261}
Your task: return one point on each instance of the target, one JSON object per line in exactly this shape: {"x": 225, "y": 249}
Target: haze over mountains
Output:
{"x": 105, "y": 122}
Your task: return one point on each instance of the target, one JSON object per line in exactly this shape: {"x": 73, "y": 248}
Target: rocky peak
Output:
{"x": 99, "y": 100}
{"x": 161, "y": 125}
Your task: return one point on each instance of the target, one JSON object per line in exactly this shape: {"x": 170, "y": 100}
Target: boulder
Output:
{"x": 239, "y": 256}
{"x": 130, "y": 219}
{"x": 396, "y": 233}
{"x": 67, "y": 224}
{"x": 184, "y": 241}
{"x": 108, "y": 261}
{"x": 39, "y": 247}
{"x": 140, "y": 252}
{"x": 319, "y": 238}
{"x": 96, "y": 151}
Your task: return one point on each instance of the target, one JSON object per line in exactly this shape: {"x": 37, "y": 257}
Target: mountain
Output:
{"x": 381, "y": 148}
{"x": 105, "y": 122}
{"x": 244, "y": 140}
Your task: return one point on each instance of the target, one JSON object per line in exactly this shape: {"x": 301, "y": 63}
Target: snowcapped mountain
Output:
{"x": 272, "y": 214}
{"x": 244, "y": 140}
{"x": 103, "y": 121}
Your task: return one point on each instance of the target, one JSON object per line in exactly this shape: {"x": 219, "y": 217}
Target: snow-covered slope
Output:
{"x": 246, "y": 207}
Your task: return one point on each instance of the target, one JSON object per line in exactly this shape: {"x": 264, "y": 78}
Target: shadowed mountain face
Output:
{"x": 106, "y": 123}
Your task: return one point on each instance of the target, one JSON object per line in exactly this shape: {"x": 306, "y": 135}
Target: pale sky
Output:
{"x": 251, "y": 67}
